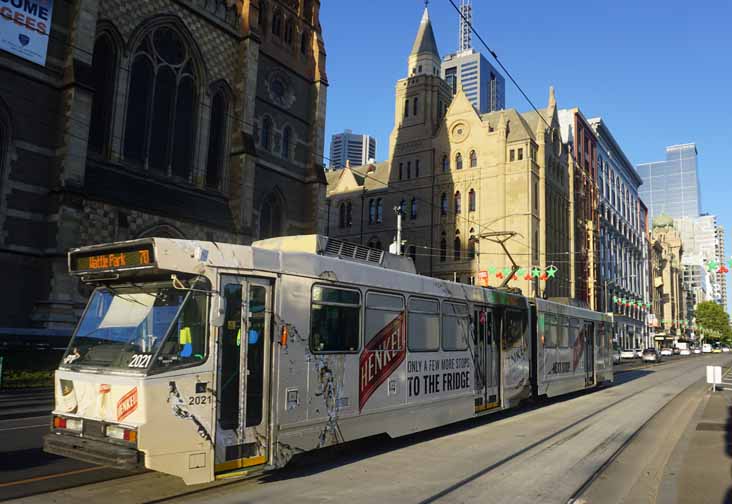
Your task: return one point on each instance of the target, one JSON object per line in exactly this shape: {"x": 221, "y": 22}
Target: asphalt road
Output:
{"x": 24, "y": 468}
{"x": 543, "y": 453}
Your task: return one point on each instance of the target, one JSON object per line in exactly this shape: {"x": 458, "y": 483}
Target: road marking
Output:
{"x": 51, "y": 476}
{"x": 27, "y": 427}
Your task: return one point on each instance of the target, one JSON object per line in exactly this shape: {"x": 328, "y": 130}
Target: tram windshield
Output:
{"x": 140, "y": 327}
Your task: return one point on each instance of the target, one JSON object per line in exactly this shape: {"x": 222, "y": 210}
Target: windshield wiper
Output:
{"x": 129, "y": 299}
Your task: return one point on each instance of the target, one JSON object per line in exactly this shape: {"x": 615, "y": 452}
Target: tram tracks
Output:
{"x": 571, "y": 432}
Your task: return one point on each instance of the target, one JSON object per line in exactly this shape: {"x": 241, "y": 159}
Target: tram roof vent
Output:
{"x": 332, "y": 247}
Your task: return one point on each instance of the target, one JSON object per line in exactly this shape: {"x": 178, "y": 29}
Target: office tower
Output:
{"x": 354, "y": 148}
{"x": 483, "y": 84}
{"x": 671, "y": 187}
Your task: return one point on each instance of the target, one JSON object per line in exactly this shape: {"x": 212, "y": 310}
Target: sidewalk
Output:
{"x": 25, "y": 403}
{"x": 702, "y": 462}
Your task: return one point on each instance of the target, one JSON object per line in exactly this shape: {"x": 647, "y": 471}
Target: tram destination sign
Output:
{"x": 115, "y": 259}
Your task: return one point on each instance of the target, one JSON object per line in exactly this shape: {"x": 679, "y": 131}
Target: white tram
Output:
{"x": 206, "y": 360}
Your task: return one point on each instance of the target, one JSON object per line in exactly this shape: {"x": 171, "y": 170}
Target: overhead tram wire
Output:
{"x": 495, "y": 56}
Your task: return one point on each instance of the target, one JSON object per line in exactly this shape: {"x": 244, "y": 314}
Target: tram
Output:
{"x": 206, "y": 360}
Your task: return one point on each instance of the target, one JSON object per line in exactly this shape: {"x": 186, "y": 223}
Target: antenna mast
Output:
{"x": 465, "y": 36}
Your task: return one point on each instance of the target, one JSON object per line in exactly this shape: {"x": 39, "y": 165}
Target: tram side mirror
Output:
{"x": 218, "y": 310}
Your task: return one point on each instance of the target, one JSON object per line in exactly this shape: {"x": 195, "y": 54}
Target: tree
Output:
{"x": 713, "y": 318}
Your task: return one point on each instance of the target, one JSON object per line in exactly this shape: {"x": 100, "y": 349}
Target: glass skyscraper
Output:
{"x": 483, "y": 85}
{"x": 671, "y": 187}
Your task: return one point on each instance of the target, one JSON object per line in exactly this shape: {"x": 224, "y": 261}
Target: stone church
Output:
{"x": 199, "y": 119}
{"x": 459, "y": 177}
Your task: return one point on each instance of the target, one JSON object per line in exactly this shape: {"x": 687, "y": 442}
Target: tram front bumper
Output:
{"x": 94, "y": 452}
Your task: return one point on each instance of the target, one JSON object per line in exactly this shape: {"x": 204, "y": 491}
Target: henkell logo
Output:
{"x": 381, "y": 356}
{"x": 127, "y": 404}
{"x": 23, "y": 39}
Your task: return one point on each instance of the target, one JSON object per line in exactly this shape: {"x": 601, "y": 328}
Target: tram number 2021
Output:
{"x": 140, "y": 360}
{"x": 199, "y": 399}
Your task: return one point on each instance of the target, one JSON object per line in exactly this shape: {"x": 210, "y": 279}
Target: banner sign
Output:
{"x": 380, "y": 357}
{"x": 24, "y": 28}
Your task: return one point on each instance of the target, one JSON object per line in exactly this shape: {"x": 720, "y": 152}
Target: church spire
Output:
{"x": 425, "y": 41}
{"x": 424, "y": 58}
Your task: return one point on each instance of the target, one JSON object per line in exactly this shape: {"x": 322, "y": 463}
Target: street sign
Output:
{"x": 714, "y": 375}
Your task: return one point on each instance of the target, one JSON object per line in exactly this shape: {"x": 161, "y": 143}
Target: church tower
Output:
{"x": 421, "y": 98}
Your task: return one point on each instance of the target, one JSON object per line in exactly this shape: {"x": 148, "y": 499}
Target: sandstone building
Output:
{"x": 201, "y": 119}
{"x": 457, "y": 176}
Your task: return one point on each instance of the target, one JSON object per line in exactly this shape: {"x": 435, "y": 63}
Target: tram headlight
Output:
{"x": 121, "y": 433}
{"x": 72, "y": 424}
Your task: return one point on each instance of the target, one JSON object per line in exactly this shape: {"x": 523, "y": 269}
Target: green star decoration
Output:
{"x": 729, "y": 263}
{"x": 632, "y": 302}
{"x": 551, "y": 271}
{"x": 712, "y": 265}
{"x": 521, "y": 271}
{"x": 535, "y": 272}
{"x": 615, "y": 299}
{"x": 507, "y": 271}
{"x": 492, "y": 270}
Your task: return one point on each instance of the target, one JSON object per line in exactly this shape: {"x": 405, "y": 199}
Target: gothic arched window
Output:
{"x": 471, "y": 200}
{"x": 445, "y": 164}
{"x": 289, "y": 30}
{"x": 443, "y": 248}
{"x": 266, "y": 133}
{"x": 379, "y": 210}
{"x": 458, "y": 203}
{"x": 277, "y": 23}
{"x": 270, "y": 217}
{"x": 413, "y": 209}
{"x": 415, "y": 105}
{"x": 372, "y": 211}
{"x": 473, "y": 159}
{"x": 406, "y": 108}
{"x": 457, "y": 246}
{"x": 104, "y": 73}
{"x": 349, "y": 214}
{"x": 286, "y": 134}
{"x": 443, "y": 204}
{"x": 342, "y": 215}
{"x": 216, "y": 140}
{"x": 458, "y": 161}
{"x": 161, "y": 104}
{"x": 304, "y": 40}
{"x": 402, "y": 205}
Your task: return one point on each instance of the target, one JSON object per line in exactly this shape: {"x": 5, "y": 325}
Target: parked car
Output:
{"x": 627, "y": 353}
{"x": 651, "y": 355}
{"x": 617, "y": 355}
{"x": 676, "y": 351}
{"x": 639, "y": 352}
{"x": 666, "y": 352}
{"x": 697, "y": 350}
{"x": 706, "y": 348}
{"x": 684, "y": 351}
{"x": 725, "y": 348}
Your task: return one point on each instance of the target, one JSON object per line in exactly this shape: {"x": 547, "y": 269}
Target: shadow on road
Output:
{"x": 25, "y": 459}
{"x": 324, "y": 459}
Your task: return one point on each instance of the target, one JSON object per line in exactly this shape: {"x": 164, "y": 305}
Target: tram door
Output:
{"x": 243, "y": 374}
{"x": 486, "y": 361}
{"x": 589, "y": 353}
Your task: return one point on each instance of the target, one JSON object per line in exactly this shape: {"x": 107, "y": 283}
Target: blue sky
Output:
{"x": 658, "y": 72}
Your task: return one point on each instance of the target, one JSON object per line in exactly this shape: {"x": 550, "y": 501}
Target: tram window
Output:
{"x": 455, "y": 324}
{"x": 550, "y": 331}
{"x": 563, "y": 327}
{"x": 335, "y": 319}
{"x": 575, "y": 331}
{"x": 515, "y": 328}
{"x": 382, "y": 310}
{"x": 424, "y": 325}
{"x": 186, "y": 343}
